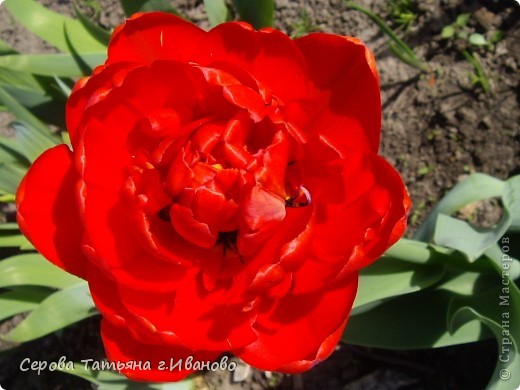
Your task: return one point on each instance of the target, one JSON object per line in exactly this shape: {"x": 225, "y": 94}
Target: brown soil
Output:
{"x": 437, "y": 128}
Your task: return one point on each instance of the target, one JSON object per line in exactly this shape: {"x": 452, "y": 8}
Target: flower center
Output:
{"x": 217, "y": 178}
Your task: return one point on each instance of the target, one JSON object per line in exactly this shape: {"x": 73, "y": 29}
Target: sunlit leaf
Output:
{"x": 62, "y": 64}
{"x": 59, "y": 310}
{"x": 33, "y": 269}
{"x": 32, "y": 142}
{"x": 5, "y": 48}
{"x": 475, "y": 187}
{"x": 389, "y": 278}
{"x": 12, "y": 240}
{"x": 462, "y": 236}
{"x": 477, "y": 39}
{"x": 217, "y": 11}
{"x": 51, "y": 26}
{"x": 511, "y": 201}
{"x": 20, "y": 300}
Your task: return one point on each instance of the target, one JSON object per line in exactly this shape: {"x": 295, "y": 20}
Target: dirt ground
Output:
{"x": 437, "y": 128}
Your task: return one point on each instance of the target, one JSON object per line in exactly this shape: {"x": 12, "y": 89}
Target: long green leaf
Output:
{"x": 62, "y": 64}
{"x": 411, "y": 321}
{"x": 10, "y": 152}
{"x": 32, "y": 142}
{"x": 51, "y": 26}
{"x": 389, "y": 278}
{"x": 59, "y": 310}
{"x": 134, "y": 6}
{"x": 22, "y": 113}
{"x": 471, "y": 241}
{"x": 499, "y": 310}
{"x": 15, "y": 240}
{"x": 475, "y": 187}
{"x": 21, "y": 300}
{"x": 11, "y": 227}
{"x": 511, "y": 200}
{"x": 96, "y": 31}
{"x": 259, "y": 13}
{"x": 33, "y": 269}
{"x": 11, "y": 175}
{"x": 5, "y": 48}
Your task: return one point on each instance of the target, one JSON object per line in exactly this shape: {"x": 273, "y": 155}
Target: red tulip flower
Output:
{"x": 222, "y": 191}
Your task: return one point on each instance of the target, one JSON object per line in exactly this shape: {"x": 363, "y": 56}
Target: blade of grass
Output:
{"x": 482, "y": 79}
{"x": 97, "y": 32}
{"x": 412, "y": 60}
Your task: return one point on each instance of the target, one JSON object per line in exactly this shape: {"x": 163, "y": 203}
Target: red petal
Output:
{"x": 269, "y": 56}
{"x": 190, "y": 229}
{"x": 153, "y": 36}
{"x": 121, "y": 346}
{"x": 302, "y": 330}
{"x": 89, "y": 91}
{"x": 361, "y": 209}
{"x": 48, "y": 212}
{"x": 347, "y": 106}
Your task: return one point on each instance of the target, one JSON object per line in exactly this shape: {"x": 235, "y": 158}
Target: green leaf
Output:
{"x": 467, "y": 283}
{"x": 474, "y": 188}
{"x": 34, "y": 92}
{"x": 32, "y": 142}
{"x": 9, "y": 226}
{"x": 59, "y": 310}
{"x": 96, "y": 31}
{"x": 259, "y": 13}
{"x": 11, "y": 152}
{"x": 411, "y": 321}
{"x": 6, "y": 49}
{"x": 477, "y": 39}
{"x": 15, "y": 240}
{"x": 33, "y": 269}
{"x": 499, "y": 310}
{"x": 51, "y": 26}
{"x": 62, "y": 64}
{"x": 134, "y": 6}
{"x": 448, "y": 32}
{"x": 389, "y": 277}
{"x": 20, "y": 300}
{"x": 511, "y": 201}
{"x": 496, "y": 256}
{"x": 65, "y": 89}
{"x": 22, "y": 113}
{"x": 471, "y": 241}
{"x": 217, "y": 11}
{"x": 462, "y": 20}
{"x": 11, "y": 175}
